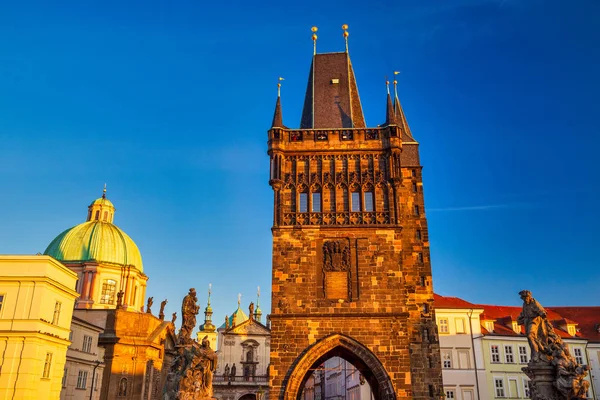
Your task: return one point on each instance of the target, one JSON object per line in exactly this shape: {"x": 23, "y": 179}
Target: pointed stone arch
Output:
{"x": 341, "y": 346}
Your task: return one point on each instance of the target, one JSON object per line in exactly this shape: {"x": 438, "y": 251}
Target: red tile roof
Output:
{"x": 451, "y": 302}
{"x": 587, "y": 318}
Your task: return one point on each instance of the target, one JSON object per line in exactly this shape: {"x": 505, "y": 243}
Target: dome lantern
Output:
{"x": 101, "y": 209}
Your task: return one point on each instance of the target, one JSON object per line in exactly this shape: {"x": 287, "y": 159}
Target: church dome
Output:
{"x": 96, "y": 239}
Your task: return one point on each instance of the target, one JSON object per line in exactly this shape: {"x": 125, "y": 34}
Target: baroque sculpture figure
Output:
{"x": 161, "y": 313}
{"x": 191, "y": 372}
{"x": 149, "y": 305}
{"x": 554, "y": 372}
{"x": 189, "y": 310}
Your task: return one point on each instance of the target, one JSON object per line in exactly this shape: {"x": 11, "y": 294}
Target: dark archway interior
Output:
{"x": 248, "y": 397}
{"x": 349, "y": 356}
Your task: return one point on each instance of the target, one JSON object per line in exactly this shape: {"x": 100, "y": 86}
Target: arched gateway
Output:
{"x": 351, "y": 270}
{"x": 347, "y": 348}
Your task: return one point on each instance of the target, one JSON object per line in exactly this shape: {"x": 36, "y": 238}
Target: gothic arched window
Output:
{"x": 123, "y": 387}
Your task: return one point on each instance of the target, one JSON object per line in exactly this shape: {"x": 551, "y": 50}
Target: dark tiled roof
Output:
{"x": 330, "y": 103}
{"x": 277, "y": 116}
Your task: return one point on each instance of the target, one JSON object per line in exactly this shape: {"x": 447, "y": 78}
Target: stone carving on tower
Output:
{"x": 554, "y": 372}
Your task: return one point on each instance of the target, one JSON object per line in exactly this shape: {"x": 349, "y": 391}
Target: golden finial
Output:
{"x": 396, "y": 84}
{"x": 345, "y": 28}
{"x": 279, "y": 86}
{"x": 314, "y": 30}
{"x": 387, "y": 84}
{"x": 104, "y": 192}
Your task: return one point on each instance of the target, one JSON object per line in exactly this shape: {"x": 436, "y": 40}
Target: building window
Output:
{"x": 417, "y": 211}
{"x": 578, "y": 355}
{"x": 443, "y": 325}
{"x": 355, "y": 202}
{"x": 420, "y": 258}
{"x": 123, "y": 387}
{"x": 109, "y": 289}
{"x": 64, "y": 378}
{"x": 523, "y": 354}
{"x": 71, "y": 336}
{"x": 460, "y": 325}
{"x": 414, "y": 187}
{"x": 105, "y": 218}
{"x": 87, "y": 344}
{"x": 464, "y": 359}
{"x": 82, "y": 379}
{"x": 571, "y": 329}
{"x": 47, "y": 366}
{"x": 303, "y": 202}
{"x": 425, "y": 335}
{"x": 369, "y": 202}
{"x": 1, "y": 303}
{"x": 527, "y": 388}
{"x": 499, "y": 386}
{"x": 509, "y": 357}
{"x": 414, "y": 173}
{"x": 446, "y": 359}
{"x": 495, "y": 353}
{"x": 425, "y": 308}
{"x": 418, "y": 234}
{"x": 423, "y": 281}
{"x": 489, "y": 325}
{"x": 56, "y": 315}
{"x": 450, "y": 393}
{"x": 316, "y": 202}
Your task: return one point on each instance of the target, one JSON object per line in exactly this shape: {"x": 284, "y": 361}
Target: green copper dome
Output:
{"x": 96, "y": 239}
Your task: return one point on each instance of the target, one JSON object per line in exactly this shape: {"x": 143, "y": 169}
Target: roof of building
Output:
{"x": 96, "y": 240}
{"x": 332, "y": 99}
{"x": 587, "y": 318}
{"x": 451, "y": 302}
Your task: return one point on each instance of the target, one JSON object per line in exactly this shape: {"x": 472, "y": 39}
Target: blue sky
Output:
{"x": 169, "y": 103}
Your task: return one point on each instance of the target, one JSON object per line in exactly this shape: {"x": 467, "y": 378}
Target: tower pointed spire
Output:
{"x": 277, "y": 116}
{"x": 208, "y": 325}
{"x": 258, "y": 311}
{"x": 399, "y": 112}
{"x": 390, "y": 117}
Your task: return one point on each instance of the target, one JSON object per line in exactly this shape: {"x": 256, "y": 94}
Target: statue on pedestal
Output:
{"x": 191, "y": 373}
{"x": 189, "y": 310}
{"x": 554, "y": 373}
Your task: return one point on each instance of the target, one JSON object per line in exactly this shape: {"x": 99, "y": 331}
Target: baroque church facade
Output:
{"x": 351, "y": 270}
{"x": 133, "y": 346}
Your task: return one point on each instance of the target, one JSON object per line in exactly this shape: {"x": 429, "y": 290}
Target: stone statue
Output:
{"x": 533, "y": 317}
{"x": 174, "y": 318}
{"x": 226, "y": 322}
{"x": 149, "y": 305}
{"x": 554, "y": 373}
{"x": 120, "y": 298}
{"x": 189, "y": 310}
{"x": 251, "y": 310}
{"x": 226, "y": 372}
{"x": 161, "y": 313}
{"x": 232, "y": 375}
{"x": 190, "y": 375}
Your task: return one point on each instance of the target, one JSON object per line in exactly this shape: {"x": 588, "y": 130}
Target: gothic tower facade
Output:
{"x": 351, "y": 269}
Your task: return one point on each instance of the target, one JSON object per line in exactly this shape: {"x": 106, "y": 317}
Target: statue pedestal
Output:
{"x": 542, "y": 377}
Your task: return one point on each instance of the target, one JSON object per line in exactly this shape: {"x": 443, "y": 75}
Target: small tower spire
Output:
{"x": 390, "y": 118}
{"x": 104, "y": 192}
{"x": 314, "y": 30}
{"x": 345, "y": 28}
{"x": 208, "y": 325}
{"x": 278, "y": 116}
{"x": 258, "y": 312}
{"x": 399, "y": 112}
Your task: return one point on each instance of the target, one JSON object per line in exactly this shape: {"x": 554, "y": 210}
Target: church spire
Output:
{"x": 399, "y": 113}
{"x": 258, "y": 312}
{"x": 390, "y": 117}
{"x": 277, "y": 116}
{"x": 208, "y": 325}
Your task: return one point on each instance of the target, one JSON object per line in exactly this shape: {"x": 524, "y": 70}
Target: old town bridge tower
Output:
{"x": 351, "y": 270}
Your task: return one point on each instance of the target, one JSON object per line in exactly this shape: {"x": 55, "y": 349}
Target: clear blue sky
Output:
{"x": 168, "y": 102}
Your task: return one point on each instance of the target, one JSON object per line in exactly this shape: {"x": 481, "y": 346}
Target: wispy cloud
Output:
{"x": 484, "y": 207}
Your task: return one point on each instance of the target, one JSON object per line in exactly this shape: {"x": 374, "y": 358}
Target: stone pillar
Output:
{"x": 93, "y": 285}
{"x": 86, "y": 285}
{"x": 542, "y": 381}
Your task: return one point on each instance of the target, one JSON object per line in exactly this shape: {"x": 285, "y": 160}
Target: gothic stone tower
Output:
{"x": 351, "y": 269}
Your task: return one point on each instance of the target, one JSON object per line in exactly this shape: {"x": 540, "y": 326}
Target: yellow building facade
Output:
{"x": 37, "y": 295}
